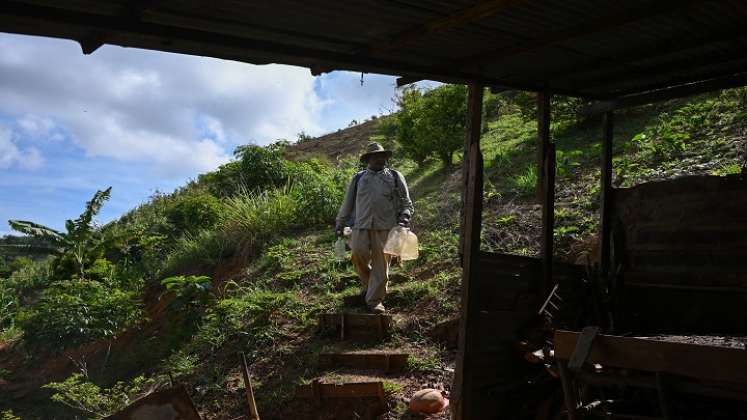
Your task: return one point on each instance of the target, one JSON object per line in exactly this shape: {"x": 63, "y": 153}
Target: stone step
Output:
{"x": 384, "y": 361}
{"x": 356, "y": 326}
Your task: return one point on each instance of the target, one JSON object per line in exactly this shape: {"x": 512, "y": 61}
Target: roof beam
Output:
{"x": 726, "y": 82}
{"x": 631, "y": 56}
{"x": 681, "y": 65}
{"x": 132, "y": 12}
{"x": 25, "y": 18}
{"x": 602, "y": 24}
{"x": 462, "y": 17}
{"x": 707, "y": 72}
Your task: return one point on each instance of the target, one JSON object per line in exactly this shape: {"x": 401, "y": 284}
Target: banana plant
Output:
{"x": 81, "y": 236}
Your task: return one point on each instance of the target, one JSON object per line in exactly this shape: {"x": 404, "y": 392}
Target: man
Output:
{"x": 377, "y": 200}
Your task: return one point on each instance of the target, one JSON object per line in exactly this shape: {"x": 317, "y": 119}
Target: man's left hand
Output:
{"x": 404, "y": 221}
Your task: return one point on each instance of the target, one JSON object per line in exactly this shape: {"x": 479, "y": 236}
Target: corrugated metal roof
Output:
{"x": 596, "y": 49}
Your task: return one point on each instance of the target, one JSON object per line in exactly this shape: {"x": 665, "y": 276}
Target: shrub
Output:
{"x": 79, "y": 393}
{"x": 257, "y": 313}
{"x": 194, "y": 290}
{"x": 262, "y": 167}
{"x": 193, "y": 211}
{"x": 72, "y": 312}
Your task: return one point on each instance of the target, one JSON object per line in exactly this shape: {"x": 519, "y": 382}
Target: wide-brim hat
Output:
{"x": 374, "y": 148}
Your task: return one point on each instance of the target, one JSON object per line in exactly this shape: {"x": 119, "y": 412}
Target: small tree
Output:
{"x": 81, "y": 242}
{"x": 443, "y": 116}
{"x": 409, "y": 101}
{"x": 432, "y": 123}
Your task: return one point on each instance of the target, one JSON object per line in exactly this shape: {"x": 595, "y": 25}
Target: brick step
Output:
{"x": 356, "y": 326}
{"x": 383, "y": 361}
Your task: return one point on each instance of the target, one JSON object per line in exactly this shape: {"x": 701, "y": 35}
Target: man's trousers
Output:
{"x": 370, "y": 262}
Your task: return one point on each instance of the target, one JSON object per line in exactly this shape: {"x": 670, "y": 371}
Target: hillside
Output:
{"x": 194, "y": 277}
{"x": 342, "y": 143}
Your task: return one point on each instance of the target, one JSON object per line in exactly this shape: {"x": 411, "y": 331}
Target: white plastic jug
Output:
{"x": 401, "y": 242}
{"x": 410, "y": 247}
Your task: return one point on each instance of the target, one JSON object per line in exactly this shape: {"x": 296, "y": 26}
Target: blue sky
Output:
{"x": 144, "y": 121}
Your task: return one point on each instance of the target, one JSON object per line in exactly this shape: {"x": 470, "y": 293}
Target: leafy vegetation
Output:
{"x": 432, "y": 123}
{"x": 241, "y": 258}
{"x": 82, "y": 395}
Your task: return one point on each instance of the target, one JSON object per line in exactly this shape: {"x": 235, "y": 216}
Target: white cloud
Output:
{"x": 12, "y": 155}
{"x": 183, "y": 113}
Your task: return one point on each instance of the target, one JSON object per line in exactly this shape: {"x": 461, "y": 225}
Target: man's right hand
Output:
{"x": 339, "y": 228}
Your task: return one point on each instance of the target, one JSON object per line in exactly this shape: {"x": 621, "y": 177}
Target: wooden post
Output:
{"x": 464, "y": 396}
{"x": 253, "y": 414}
{"x": 543, "y": 139}
{"x": 548, "y": 189}
{"x": 605, "y": 228}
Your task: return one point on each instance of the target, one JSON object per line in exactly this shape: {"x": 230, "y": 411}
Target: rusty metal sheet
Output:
{"x": 170, "y": 404}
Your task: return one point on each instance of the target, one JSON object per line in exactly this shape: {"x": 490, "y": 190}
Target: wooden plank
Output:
{"x": 175, "y": 401}
{"x": 695, "y": 361}
{"x": 602, "y": 24}
{"x": 348, "y": 390}
{"x": 677, "y": 385}
{"x": 671, "y": 90}
{"x": 388, "y": 362}
{"x": 253, "y": 413}
{"x": 583, "y": 348}
{"x": 459, "y": 18}
{"x": 464, "y": 398}
{"x": 355, "y": 321}
{"x": 605, "y": 212}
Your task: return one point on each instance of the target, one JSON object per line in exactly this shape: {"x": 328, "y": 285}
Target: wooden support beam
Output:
{"x": 543, "y": 139}
{"x": 548, "y": 221}
{"x": 603, "y": 24}
{"x": 462, "y": 17}
{"x": 464, "y": 394}
{"x": 132, "y": 12}
{"x": 606, "y": 196}
{"x": 632, "y": 56}
{"x": 686, "y": 65}
{"x": 667, "y": 93}
{"x": 546, "y": 179}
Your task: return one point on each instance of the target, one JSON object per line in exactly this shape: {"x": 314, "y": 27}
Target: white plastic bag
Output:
{"x": 340, "y": 254}
{"x": 401, "y": 242}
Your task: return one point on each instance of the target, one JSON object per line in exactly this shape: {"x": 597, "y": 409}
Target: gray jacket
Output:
{"x": 378, "y": 203}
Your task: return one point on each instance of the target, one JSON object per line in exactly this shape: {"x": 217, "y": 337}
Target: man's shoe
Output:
{"x": 378, "y": 309}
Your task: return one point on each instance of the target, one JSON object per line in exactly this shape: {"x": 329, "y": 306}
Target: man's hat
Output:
{"x": 374, "y": 148}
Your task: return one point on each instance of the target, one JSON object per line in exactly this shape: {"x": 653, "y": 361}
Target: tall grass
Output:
{"x": 526, "y": 183}
{"x": 251, "y": 219}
